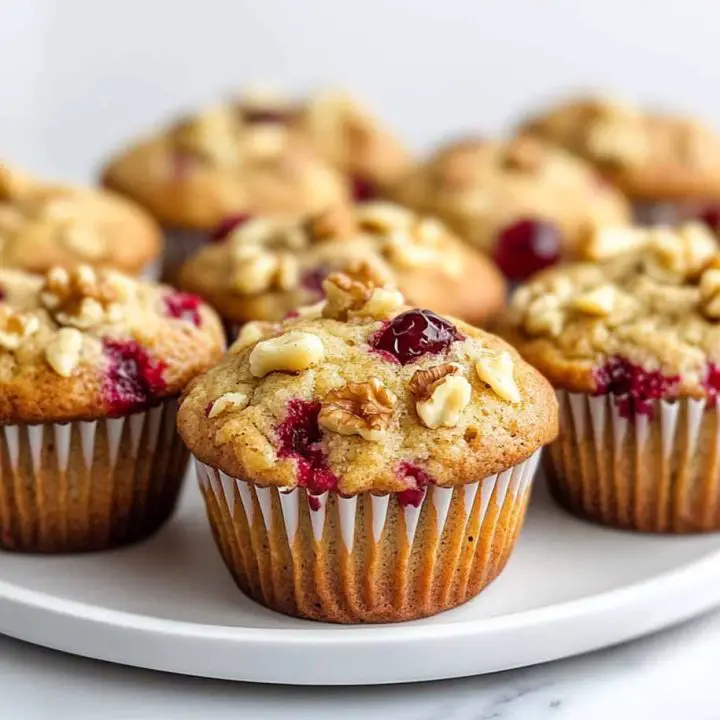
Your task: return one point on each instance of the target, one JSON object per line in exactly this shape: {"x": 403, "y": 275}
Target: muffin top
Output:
{"x": 521, "y": 200}
{"x": 372, "y": 396}
{"x": 643, "y": 323}
{"x": 84, "y": 344}
{"x": 266, "y": 268}
{"x": 43, "y": 224}
{"x": 649, "y": 155}
{"x": 223, "y": 161}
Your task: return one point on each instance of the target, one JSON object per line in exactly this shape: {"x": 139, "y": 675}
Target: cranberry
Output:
{"x": 183, "y": 306}
{"x": 413, "y": 334}
{"x": 313, "y": 502}
{"x": 228, "y": 225}
{"x": 312, "y": 281}
{"x": 418, "y": 480}
{"x": 2, "y": 294}
{"x": 712, "y": 384}
{"x": 710, "y": 215}
{"x": 633, "y": 386}
{"x": 299, "y": 436}
{"x": 265, "y": 115}
{"x": 363, "y": 189}
{"x": 134, "y": 378}
{"x": 527, "y": 246}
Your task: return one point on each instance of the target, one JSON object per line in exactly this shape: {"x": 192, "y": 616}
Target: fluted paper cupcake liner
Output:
{"x": 81, "y": 486}
{"x": 366, "y": 558}
{"x": 654, "y": 472}
{"x": 180, "y": 244}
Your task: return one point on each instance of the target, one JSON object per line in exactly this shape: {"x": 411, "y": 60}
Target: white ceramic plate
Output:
{"x": 169, "y": 604}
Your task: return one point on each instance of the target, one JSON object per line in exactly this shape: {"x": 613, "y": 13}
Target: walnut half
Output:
{"x": 362, "y": 409}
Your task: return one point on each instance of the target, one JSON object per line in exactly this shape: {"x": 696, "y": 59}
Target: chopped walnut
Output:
{"x": 63, "y": 351}
{"x": 294, "y": 351}
{"x": 606, "y": 242}
{"x": 384, "y": 217}
{"x": 497, "y": 370}
{"x": 256, "y": 270}
{"x": 228, "y": 402}
{"x": 84, "y": 298}
{"x": 679, "y": 254}
{"x": 344, "y": 294}
{"x": 15, "y": 327}
{"x": 253, "y": 332}
{"x": 423, "y": 382}
{"x": 710, "y": 293}
{"x": 599, "y": 301}
{"x": 363, "y": 409}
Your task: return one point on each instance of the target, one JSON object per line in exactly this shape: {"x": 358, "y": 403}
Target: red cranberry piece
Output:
{"x": 2, "y": 294}
{"x": 527, "y": 246}
{"x": 633, "y": 386}
{"x": 183, "y": 306}
{"x": 710, "y": 215}
{"x": 413, "y": 334}
{"x": 313, "y": 502}
{"x": 712, "y": 384}
{"x": 362, "y": 189}
{"x": 259, "y": 115}
{"x": 134, "y": 378}
{"x": 418, "y": 480}
{"x": 299, "y": 435}
{"x": 312, "y": 281}
{"x": 228, "y": 225}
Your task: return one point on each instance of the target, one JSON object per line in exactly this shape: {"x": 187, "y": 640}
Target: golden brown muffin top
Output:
{"x": 641, "y": 320}
{"x": 367, "y": 398}
{"x": 221, "y": 162}
{"x": 269, "y": 267}
{"x": 486, "y": 189}
{"x": 87, "y": 343}
{"x": 649, "y": 155}
{"x": 43, "y": 224}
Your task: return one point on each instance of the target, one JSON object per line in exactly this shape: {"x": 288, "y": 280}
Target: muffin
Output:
{"x": 219, "y": 164}
{"x": 43, "y": 224}
{"x": 266, "y": 268}
{"x": 631, "y": 342}
{"x": 668, "y": 165}
{"x": 521, "y": 201}
{"x": 91, "y": 366}
{"x": 369, "y": 465}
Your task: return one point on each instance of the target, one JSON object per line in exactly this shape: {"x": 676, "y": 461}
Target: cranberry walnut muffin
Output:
{"x": 522, "y": 201}
{"x": 369, "y": 465}
{"x": 266, "y": 268}
{"x": 631, "y": 342}
{"x": 91, "y": 365}
{"x": 668, "y": 165}
{"x": 43, "y": 224}
{"x": 216, "y": 165}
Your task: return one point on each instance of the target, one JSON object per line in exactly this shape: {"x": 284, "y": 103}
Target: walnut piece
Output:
{"x": 710, "y": 293}
{"x": 227, "y": 402}
{"x": 292, "y": 352}
{"x": 606, "y": 242}
{"x": 363, "y": 409}
{"x": 679, "y": 254}
{"x": 15, "y": 327}
{"x": 423, "y": 382}
{"x": 599, "y": 301}
{"x": 256, "y": 270}
{"x": 63, "y": 351}
{"x": 444, "y": 401}
{"x": 344, "y": 294}
{"x": 83, "y": 298}
{"x": 252, "y": 332}
{"x": 496, "y": 369}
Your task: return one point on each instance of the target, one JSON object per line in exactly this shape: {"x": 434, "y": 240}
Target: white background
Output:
{"x": 77, "y": 77}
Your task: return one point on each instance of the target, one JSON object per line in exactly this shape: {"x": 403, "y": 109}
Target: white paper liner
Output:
{"x": 80, "y": 456}
{"x": 285, "y": 548}
{"x": 516, "y": 480}
{"x": 657, "y": 471}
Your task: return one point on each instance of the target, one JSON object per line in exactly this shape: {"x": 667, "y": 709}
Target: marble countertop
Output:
{"x": 669, "y": 675}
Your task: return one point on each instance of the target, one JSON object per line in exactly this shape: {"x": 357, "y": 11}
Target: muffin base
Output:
{"x": 365, "y": 558}
{"x": 86, "y": 486}
{"x": 657, "y": 473}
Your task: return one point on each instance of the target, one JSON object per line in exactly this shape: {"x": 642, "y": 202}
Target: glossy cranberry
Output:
{"x": 527, "y": 246}
{"x": 633, "y": 386}
{"x": 417, "y": 479}
{"x": 134, "y": 378}
{"x": 299, "y": 436}
{"x": 710, "y": 215}
{"x": 312, "y": 281}
{"x": 413, "y": 334}
{"x": 362, "y": 189}
{"x": 228, "y": 225}
{"x": 712, "y": 384}
{"x": 313, "y": 502}
{"x": 183, "y": 306}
